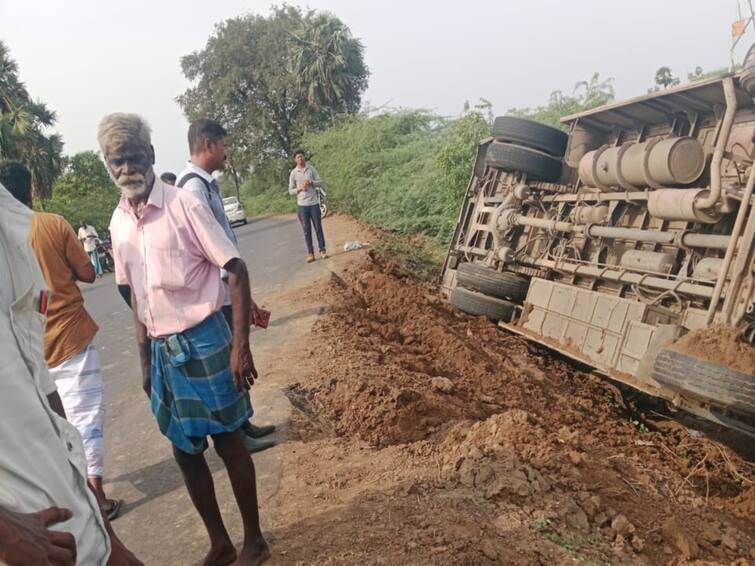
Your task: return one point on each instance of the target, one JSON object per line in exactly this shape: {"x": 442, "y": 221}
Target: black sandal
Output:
{"x": 115, "y": 508}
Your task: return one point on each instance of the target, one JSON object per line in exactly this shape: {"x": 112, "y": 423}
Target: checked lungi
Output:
{"x": 193, "y": 393}
{"x": 79, "y": 383}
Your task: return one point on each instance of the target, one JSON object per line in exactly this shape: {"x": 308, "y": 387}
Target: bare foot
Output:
{"x": 253, "y": 553}
{"x": 220, "y": 556}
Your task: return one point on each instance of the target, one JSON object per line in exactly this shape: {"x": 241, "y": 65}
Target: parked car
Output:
{"x": 234, "y": 211}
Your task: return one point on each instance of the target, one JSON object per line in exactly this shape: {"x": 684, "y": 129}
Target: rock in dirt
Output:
{"x": 443, "y": 384}
{"x": 577, "y": 520}
{"x": 638, "y": 544}
{"x": 601, "y": 519}
{"x": 489, "y": 550}
{"x": 728, "y": 541}
{"x": 576, "y": 457}
{"x": 507, "y": 522}
{"x": 591, "y": 505}
{"x": 621, "y": 525}
{"x": 678, "y": 538}
{"x": 619, "y": 544}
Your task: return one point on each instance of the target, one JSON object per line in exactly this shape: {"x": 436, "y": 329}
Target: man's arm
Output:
{"x": 125, "y": 292}
{"x": 144, "y": 346}
{"x": 242, "y": 362}
{"x": 77, "y": 259}
{"x": 292, "y": 184}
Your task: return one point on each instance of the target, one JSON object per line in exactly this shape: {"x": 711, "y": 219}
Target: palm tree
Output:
{"x": 23, "y": 125}
{"x": 328, "y": 64}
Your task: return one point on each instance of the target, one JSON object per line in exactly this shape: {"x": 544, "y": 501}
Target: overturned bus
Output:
{"x": 626, "y": 243}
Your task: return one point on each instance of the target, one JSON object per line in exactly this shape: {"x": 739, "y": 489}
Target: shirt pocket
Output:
{"x": 168, "y": 268}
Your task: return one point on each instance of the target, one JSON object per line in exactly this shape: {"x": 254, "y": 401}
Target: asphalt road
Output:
{"x": 158, "y": 521}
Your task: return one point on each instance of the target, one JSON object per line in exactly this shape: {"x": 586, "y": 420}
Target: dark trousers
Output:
{"x": 310, "y": 216}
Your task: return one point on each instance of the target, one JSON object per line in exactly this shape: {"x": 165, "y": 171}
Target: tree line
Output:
{"x": 277, "y": 81}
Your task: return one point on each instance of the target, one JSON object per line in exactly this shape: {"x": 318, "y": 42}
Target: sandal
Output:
{"x": 115, "y": 508}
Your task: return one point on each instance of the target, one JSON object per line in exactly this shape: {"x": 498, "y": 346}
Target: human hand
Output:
{"x": 255, "y": 314}
{"x": 146, "y": 361}
{"x": 26, "y": 541}
{"x": 307, "y": 184}
{"x": 147, "y": 384}
{"x": 242, "y": 366}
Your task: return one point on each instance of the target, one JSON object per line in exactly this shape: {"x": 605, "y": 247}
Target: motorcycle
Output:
{"x": 322, "y": 201}
{"x": 104, "y": 254}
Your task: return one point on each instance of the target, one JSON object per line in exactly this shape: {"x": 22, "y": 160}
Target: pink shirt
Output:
{"x": 170, "y": 258}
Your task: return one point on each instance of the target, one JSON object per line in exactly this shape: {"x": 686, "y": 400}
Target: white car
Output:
{"x": 234, "y": 211}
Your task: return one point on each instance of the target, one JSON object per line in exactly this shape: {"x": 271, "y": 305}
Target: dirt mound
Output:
{"x": 485, "y": 457}
{"x": 721, "y": 345}
{"x": 402, "y": 364}
{"x": 535, "y": 445}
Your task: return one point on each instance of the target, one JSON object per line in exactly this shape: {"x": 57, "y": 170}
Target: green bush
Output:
{"x": 404, "y": 171}
{"x": 268, "y": 202}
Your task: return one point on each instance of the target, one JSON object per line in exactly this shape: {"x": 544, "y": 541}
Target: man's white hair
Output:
{"x": 119, "y": 128}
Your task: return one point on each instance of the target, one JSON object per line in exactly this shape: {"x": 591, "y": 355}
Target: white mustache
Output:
{"x": 131, "y": 179}
{"x": 132, "y": 185}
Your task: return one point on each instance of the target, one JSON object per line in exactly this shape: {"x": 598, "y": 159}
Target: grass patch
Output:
{"x": 421, "y": 256}
{"x": 269, "y": 202}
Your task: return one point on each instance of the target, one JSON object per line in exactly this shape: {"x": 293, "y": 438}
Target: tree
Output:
{"x": 85, "y": 191}
{"x": 328, "y": 65}
{"x": 23, "y": 128}
{"x": 587, "y": 94}
{"x": 269, "y": 80}
{"x": 664, "y": 78}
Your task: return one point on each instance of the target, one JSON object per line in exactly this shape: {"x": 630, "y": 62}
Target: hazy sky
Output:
{"x": 88, "y": 58}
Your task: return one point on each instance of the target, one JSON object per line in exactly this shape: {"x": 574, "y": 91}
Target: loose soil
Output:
{"x": 719, "y": 345}
{"x": 424, "y": 436}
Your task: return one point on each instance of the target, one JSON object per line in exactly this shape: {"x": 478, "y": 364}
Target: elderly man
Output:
{"x": 69, "y": 332}
{"x": 48, "y": 515}
{"x": 207, "y": 148}
{"x": 168, "y": 248}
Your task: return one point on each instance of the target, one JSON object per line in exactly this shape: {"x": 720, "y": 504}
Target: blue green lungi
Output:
{"x": 193, "y": 393}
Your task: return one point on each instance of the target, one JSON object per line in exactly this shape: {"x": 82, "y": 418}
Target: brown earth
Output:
{"x": 424, "y": 436}
{"x": 719, "y": 345}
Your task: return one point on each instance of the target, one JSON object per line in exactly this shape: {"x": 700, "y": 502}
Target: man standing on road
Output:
{"x": 304, "y": 182}
{"x": 48, "y": 515}
{"x": 72, "y": 358}
{"x": 168, "y": 249}
{"x": 89, "y": 238}
{"x": 207, "y": 148}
